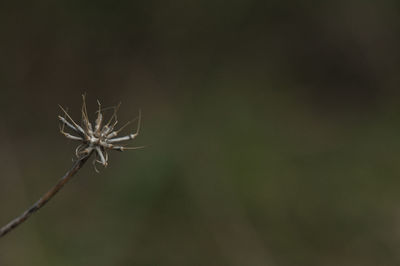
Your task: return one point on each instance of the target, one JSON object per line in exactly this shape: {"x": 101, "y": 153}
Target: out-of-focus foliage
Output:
{"x": 272, "y": 131}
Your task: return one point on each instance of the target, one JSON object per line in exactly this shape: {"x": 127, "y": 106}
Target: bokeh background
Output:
{"x": 272, "y": 131}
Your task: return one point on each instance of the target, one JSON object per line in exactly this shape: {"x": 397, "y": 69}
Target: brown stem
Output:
{"x": 45, "y": 198}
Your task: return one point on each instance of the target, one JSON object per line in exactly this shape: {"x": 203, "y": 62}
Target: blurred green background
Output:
{"x": 272, "y": 131}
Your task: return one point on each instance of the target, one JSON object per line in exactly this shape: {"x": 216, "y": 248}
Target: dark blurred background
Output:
{"x": 272, "y": 131}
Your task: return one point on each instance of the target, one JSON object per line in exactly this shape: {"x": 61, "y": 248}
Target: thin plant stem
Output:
{"x": 45, "y": 198}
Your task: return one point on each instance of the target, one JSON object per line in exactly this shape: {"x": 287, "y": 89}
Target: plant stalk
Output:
{"x": 45, "y": 198}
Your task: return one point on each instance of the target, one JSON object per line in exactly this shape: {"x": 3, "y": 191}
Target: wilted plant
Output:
{"x": 97, "y": 139}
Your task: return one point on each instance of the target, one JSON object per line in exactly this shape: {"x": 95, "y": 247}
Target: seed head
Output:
{"x": 100, "y": 138}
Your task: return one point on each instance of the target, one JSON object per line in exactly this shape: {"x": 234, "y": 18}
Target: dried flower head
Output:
{"x": 100, "y": 138}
